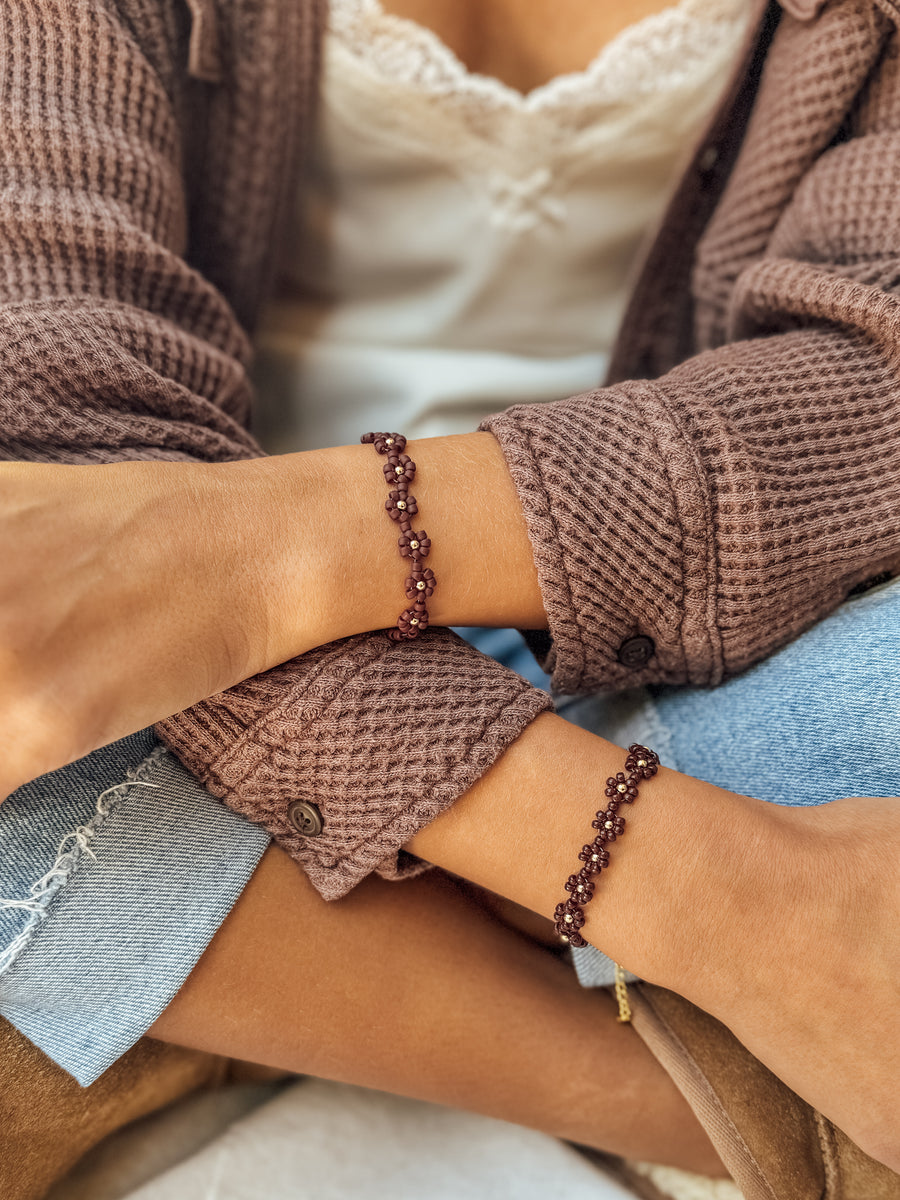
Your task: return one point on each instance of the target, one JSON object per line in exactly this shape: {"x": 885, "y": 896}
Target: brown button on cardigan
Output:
{"x": 740, "y": 475}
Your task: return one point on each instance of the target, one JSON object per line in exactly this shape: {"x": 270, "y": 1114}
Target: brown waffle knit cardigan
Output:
{"x": 740, "y": 475}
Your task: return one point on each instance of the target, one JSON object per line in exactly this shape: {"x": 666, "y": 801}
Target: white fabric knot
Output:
{"x": 522, "y": 204}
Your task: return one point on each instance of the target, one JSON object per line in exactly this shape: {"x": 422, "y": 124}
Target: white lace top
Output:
{"x": 463, "y": 246}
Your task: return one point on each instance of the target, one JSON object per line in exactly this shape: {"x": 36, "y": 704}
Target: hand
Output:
{"x": 814, "y": 991}
{"x": 125, "y": 596}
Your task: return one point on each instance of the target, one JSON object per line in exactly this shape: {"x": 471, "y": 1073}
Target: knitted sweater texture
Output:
{"x": 738, "y": 476}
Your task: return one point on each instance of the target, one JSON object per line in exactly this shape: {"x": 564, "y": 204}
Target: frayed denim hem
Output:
{"x": 99, "y": 946}
{"x": 69, "y": 853}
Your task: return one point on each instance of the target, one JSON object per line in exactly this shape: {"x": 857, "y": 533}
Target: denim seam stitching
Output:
{"x": 68, "y": 858}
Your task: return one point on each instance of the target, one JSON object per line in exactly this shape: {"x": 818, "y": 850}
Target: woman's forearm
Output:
{"x": 682, "y": 893}
{"x": 331, "y": 567}
{"x": 775, "y": 920}
{"x": 141, "y": 588}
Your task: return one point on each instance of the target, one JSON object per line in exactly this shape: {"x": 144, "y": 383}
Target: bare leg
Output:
{"x": 413, "y": 988}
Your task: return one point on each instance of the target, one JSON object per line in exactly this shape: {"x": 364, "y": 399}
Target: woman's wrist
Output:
{"x": 287, "y": 553}
{"x": 329, "y": 567}
{"x": 686, "y": 888}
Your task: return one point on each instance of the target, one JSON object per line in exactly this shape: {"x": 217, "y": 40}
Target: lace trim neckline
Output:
{"x": 656, "y": 53}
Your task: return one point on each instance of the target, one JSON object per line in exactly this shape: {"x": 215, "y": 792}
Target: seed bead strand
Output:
{"x": 400, "y": 471}
{"x": 622, "y": 788}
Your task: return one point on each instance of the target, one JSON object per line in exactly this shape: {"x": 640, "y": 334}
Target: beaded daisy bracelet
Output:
{"x": 621, "y": 788}
{"x": 400, "y": 471}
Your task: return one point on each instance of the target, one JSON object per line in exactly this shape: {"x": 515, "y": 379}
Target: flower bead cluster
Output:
{"x": 400, "y": 504}
{"x": 400, "y": 471}
{"x": 412, "y": 621}
{"x": 384, "y": 443}
{"x": 609, "y": 824}
{"x": 420, "y": 582}
{"x": 414, "y": 545}
{"x": 594, "y": 857}
{"x": 622, "y": 788}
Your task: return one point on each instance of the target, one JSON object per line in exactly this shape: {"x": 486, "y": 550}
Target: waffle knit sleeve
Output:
{"x": 381, "y": 736}
{"x": 713, "y": 515}
{"x": 111, "y": 345}
{"x": 705, "y": 518}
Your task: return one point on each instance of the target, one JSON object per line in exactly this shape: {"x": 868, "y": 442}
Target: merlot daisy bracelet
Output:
{"x": 414, "y": 545}
{"x": 622, "y": 788}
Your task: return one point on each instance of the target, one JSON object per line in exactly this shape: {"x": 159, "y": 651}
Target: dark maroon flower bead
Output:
{"x": 413, "y": 621}
{"x": 388, "y": 442}
{"x": 420, "y": 584}
{"x": 581, "y": 887}
{"x": 611, "y": 826}
{"x": 400, "y": 470}
{"x": 568, "y": 918}
{"x": 570, "y": 937}
{"x": 619, "y": 787}
{"x": 570, "y": 921}
{"x": 400, "y": 504}
{"x": 384, "y": 443}
{"x": 594, "y": 857}
{"x": 641, "y": 762}
{"x": 414, "y": 545}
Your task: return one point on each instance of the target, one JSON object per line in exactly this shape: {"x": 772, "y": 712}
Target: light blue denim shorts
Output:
{"x": 116, "y": 871}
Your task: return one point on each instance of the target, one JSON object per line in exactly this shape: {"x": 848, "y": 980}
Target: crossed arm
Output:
{"x": 195, "y": 577}
{"x": 751, "y": 889}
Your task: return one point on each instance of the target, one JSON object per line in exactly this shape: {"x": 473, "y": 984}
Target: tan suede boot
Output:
{"x": 47, "y": 1121}
{"x": 775, "y": 1146}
